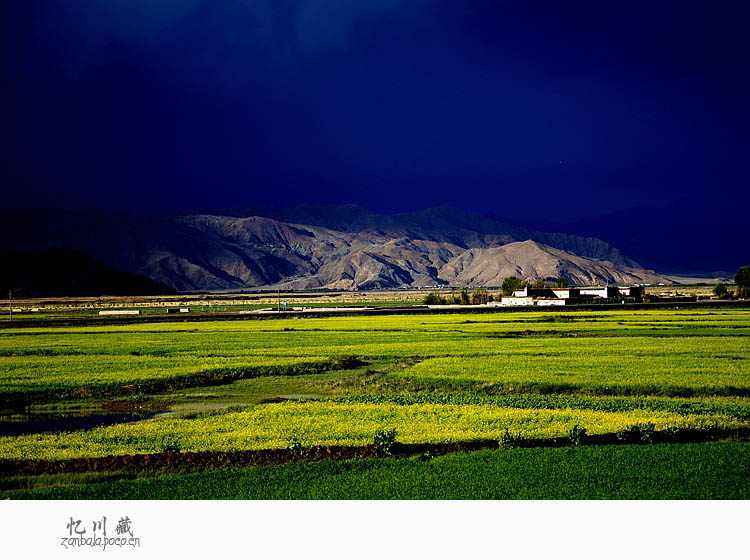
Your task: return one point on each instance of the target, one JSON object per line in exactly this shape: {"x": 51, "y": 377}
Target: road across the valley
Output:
{"x": 356, "y": 311}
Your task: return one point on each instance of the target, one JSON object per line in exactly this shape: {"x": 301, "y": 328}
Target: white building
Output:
{"x": 545, "y": 302}
{"x": 601, "y": 291}
{"x": 516, "y": 300}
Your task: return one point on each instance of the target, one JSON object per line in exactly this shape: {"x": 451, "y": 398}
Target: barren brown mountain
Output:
{"x": 335, "y": 247}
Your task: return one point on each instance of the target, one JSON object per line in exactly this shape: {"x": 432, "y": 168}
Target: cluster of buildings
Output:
{"x": 567, "y": 296}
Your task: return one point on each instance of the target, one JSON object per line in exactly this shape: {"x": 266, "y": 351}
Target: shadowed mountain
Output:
{"x": 685, "y": 237}
{"x": 341, "y": 247}
{"x": 63, "y": 272}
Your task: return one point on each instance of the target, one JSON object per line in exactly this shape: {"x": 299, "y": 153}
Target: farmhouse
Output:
{"x": 603, "y": 292}
{"x": 566, "y": 293}
{"x": 633, "y": 291}
{"x": 546, "y": 302}
{"x": 533, "y": 292}
{"x": 567, "y": 296}
{"x": 517, "y": 300}
{"x": 563, "y": 293}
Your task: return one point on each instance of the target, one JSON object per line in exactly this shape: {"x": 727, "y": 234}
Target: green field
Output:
{"x": 656, "y": 472}
{"x": 272, "y": 384}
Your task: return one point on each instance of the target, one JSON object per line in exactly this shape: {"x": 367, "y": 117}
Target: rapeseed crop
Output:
{"x": 333, "y": 423}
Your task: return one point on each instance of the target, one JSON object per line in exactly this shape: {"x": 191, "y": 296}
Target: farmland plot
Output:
{"x": 340, "y": 381}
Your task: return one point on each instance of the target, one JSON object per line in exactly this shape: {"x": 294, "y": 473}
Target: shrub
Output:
{"x": 294, "y": 445}
{"x": 480, "y": 296}
{"x": 673, "y": 433}
{"x": 638, "y": 433}
{"x": 577, "y": 434}
{"x": 511, "y": 283}
{"x": 464, "y": 295}
{"x": 433, "y": 298}
{"x": 627, "y": 434}
{"x": 721, "y": 291}
{"x": 384, "y": 440}
{"x": 345, "y": 362}
{"x": 169, "y": 444}
{"x": 647, "y": 432}
{"x": 742, "y": 279}
{"x": 509, "y": 441}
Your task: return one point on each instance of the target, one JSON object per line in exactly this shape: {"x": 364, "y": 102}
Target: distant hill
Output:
{"x": 528, "y": 259}
{"x": 336, "y": 247}
{"x": 686, "y": 237}
{"x": 64, "y": 272}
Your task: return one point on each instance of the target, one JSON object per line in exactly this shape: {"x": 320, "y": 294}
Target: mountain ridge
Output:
{"x": 365, "y": 250}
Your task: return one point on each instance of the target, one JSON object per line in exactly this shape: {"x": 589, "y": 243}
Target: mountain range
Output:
{"x": 334, "y": 247}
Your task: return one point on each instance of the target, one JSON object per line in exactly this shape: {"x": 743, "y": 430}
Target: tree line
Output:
{"x": 741, "y": 279}
{"x": 480, "y": 296}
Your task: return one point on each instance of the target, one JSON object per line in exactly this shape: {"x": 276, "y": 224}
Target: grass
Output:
{"x": 113, "y": 377}
{"x": 636, "y": 365}
{"x": 689, "y": 471}
{"x": 433, "y": 378}
{"x": 705, "y": 352}
{"x": 735, "y": 407}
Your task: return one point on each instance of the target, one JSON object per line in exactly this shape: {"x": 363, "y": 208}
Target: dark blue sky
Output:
{"x": 520, "y": 109}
